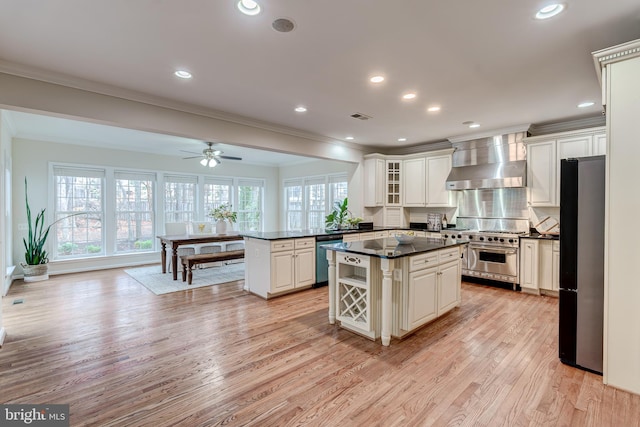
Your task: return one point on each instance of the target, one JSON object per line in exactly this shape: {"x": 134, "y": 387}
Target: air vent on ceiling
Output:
{"x": 283, "y": 25}
{"x": 360, "y": 116}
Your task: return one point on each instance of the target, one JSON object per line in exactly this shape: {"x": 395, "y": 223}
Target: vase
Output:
{"x": 35, "y": 273}
{"x": 221, "y": 227}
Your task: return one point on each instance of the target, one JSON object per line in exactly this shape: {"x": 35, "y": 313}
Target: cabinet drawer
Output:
{"x": 351, "y": 237}
{"x": 305, "y": 243}
{"x": 367, "y": 236}
{"x": 420, "y": 234}
{"x": 418, "y": 262}
{"x": 282, "y": 245}
{"x": 381, "y": 234}
{"x": 352, "y": 259}
{"x": 448, "y": 255}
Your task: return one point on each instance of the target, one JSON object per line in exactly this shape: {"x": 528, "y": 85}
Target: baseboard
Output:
{"x": 3, "y": 335}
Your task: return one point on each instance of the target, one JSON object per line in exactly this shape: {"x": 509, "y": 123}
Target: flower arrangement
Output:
{"x": 223, "y": 213}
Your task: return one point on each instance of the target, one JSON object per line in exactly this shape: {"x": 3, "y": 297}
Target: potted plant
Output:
{"x": 222, "y": 214}
{"x": 340, "y": 216}
{"x": 36, "y": 259}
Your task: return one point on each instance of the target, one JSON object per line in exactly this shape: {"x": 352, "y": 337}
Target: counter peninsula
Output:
{"x": 379, "y": 288}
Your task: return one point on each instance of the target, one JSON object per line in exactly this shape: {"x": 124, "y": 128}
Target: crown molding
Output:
{"x": 131, "y": 95}
{"x": 621, "y": 52}
{"x": 567, "y": 126}
{"x": 490, "y": 133}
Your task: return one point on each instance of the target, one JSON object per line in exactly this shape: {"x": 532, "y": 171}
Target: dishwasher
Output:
{"x": 322, "y": 265}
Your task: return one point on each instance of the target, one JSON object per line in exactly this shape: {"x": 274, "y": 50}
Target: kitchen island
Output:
{"x": 379, "y": 288}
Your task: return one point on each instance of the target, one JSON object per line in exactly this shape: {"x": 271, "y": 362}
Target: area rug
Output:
{"x": 152, "y": 278}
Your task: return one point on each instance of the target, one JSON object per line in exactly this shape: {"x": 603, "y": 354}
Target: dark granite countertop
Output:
{"x": 314, "y": 232}
{"x": 541, "y": 236}
{"x": 390, "y": 248}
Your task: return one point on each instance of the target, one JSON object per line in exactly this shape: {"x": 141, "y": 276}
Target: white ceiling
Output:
{"x": 483, "y": 61}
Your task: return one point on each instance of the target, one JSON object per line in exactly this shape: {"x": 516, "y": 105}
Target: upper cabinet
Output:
{"x": 543, "y": 160}
{"x": 374, "y": 182}
{"x": 415, "y": 180}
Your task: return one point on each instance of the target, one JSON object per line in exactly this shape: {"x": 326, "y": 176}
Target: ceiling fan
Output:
{"x": 210, "y": 156}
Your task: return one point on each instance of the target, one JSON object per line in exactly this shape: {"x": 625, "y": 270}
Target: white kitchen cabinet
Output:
{"x": 448, "y": 286}
{"x": 529, "y": 265}
{"x": 555, "y": 266}
{"x": 438, "y": 169}
{"x": 414, "y": 182}
{"x": 600, "y": 144}
{"x": 274, "y": 267}
{"x": 422, "y": 300}
{"x": 394, "y": 216}
{"x": 543, "y": 161}
{"x": 541, "y": 173}
{"x": 374, "y": 182}
{"x": 351, "y": 237}
{"x": 394, "y": 183}
{"x": 545, "y": 266}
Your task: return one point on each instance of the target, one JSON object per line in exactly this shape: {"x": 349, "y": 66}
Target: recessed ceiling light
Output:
{"x": 348, "y": 138}
{"x": 249, "y": 7}
{"x": 402, "y": 139}
{"x": 585, "y": 104}
{"x": 433, "y": 109}
{"x": 183, "y": 74}
{"x": 376, "y": 79}
{"x": 474, "y": 125}
{"x": 550, "y": 11}
{"x": 410, "y": 95}
{"x": 301, "y": 109}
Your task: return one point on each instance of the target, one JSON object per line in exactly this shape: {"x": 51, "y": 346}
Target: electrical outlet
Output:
{"x": 23, "y": 227}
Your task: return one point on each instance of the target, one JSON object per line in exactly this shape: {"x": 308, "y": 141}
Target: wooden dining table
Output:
{"x": 175, "y": 241}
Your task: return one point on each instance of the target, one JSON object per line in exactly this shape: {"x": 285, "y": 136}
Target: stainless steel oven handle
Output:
{"x": 493, "y": 250}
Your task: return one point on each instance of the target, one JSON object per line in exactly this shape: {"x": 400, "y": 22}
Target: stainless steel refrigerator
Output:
{"x": 582, "y": 200}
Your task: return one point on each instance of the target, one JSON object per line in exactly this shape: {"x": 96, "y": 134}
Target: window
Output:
{"x": 179, "y": 198}
{"x": 78, "y": 192}
{"x": 134, "y": 211}
{"x": 250, "y": 205}
{"x": 293, "y": 204}
{"x": 315, "y": 202}
{"x": 217, "y": 192}
{"x": 308, "y": 200}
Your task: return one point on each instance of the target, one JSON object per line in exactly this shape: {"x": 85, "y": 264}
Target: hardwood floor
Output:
{"x": 120, "y": 355}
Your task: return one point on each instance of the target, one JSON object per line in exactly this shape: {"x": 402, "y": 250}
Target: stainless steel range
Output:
{"x": 490, "y": 254}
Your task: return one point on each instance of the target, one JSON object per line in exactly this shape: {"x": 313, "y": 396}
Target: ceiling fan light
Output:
{"x": 213, "y": 163}
{"x": 203, "y": 162}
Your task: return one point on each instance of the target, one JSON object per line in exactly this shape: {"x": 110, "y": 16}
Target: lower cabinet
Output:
{"x": 540, "y": 266}
{"x": 433, "y": 287}
{"x": 279, "y": 266}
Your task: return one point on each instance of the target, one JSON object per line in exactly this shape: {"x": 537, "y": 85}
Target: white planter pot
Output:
{"x": 35, "y": 273}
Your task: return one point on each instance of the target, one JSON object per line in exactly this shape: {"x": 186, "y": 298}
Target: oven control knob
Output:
{"x": 470, "y": 237}
{"x": 489, "y": 239}
{"x": 446, "y": 236}
{"x": 502, "y": 240}
{"x": 459, "y": 236}
{"x": 510, "y": 240}
{"x": 481, "y": 238}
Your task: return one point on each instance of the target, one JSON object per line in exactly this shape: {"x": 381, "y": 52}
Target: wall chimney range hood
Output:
{"x": 489, "y": 162}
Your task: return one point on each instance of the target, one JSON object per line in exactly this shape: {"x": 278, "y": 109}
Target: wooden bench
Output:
{"x": 188, "y": 261}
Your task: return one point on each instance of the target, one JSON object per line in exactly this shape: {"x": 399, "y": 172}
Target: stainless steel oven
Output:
{"x": 493, "y": 262}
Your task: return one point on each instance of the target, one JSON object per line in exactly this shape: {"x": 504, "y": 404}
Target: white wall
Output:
{"x": 31, "y": 159}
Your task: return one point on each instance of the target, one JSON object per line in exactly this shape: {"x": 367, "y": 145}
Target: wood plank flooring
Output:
{"x": 121, "y": 356}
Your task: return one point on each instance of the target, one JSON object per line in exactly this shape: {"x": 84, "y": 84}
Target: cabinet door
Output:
{"x": 541, "y": 173}
{"x": 600, "y": 144}
{"x": 305, "y": 267}
{"x": 579, "y": 146}
{"x": 555, "y": 270}
{"x": 529, "y": 264}
{"x": 545, "y": 255}
{"x": 448, "y": 286}
{"x": 422, "y": 297}
{"x": 282, "y": 271}
{"x": 374, "y": 182}
{"x": 394, "y": 182}
{"x": 438, "y": 169}
{"x": 414, "y": 177}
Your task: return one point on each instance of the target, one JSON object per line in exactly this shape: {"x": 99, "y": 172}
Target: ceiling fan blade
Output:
{"x": 190, "y": 152}
{"x": 192, "y": 157}
{"x": 230, "y": 157}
